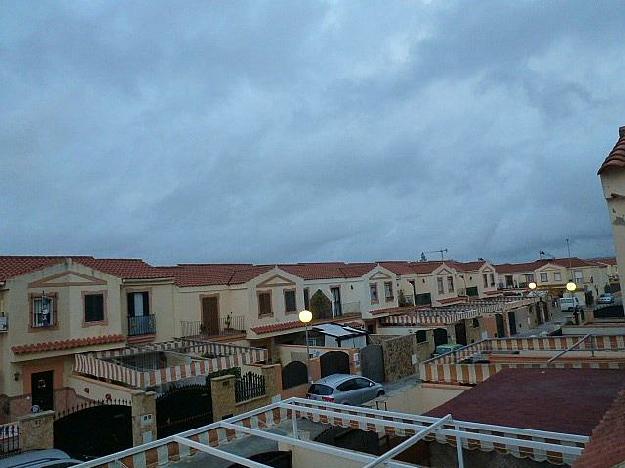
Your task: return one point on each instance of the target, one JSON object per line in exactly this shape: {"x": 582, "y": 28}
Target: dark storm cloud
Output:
{"x": 285, "y": 131}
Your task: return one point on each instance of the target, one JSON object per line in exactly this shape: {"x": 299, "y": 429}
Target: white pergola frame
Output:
{"x": 420, "y": 425}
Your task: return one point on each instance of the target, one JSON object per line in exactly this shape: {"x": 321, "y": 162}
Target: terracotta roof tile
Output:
{"x": 15, "y": 265}
{"x": 605, "y": 260}
{"x": 67, "y": 344}
{"x": 529, "y": 267}
{"x": 616, "y": 157}
{"x": 541, "y": 404}
{"x": 411, "y": 268}
{"x": 323, "y": 270}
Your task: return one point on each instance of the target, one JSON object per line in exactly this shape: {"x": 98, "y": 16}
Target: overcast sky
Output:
{"x": 307, "y": 131}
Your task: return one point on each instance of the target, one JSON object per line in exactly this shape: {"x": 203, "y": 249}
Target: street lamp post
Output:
{"x": 570, "y": 286}
{"x": 305, "y": 316}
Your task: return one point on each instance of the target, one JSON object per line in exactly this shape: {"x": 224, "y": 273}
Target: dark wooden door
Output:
{"x": 440, "y": 336}
{"x": 334, "y": 362}
{"x": 461, "y": 333}
{"x": 512, "y": 323}
{"x": 42, "y": 385}
{"x": 210, "y": 315}
{"x": 501, "y": 329}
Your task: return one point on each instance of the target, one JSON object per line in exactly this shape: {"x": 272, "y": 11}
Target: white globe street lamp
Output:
{"x": 571, "y": 286}
{"x": 532, "y": 285}
{"x": 305, "y": 316}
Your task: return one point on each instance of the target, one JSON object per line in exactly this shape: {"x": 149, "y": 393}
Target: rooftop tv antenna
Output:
{"x": 441, "y": 251}
{"x": 546, "y": 254}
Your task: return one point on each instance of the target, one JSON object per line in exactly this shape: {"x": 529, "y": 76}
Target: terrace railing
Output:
{"x": 141, "y": 325}
{"x": 9, "y": 439}
{"x": 229, "y": 325}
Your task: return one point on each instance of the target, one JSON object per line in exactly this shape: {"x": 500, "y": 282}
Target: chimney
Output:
{"x": 621, "y": 132}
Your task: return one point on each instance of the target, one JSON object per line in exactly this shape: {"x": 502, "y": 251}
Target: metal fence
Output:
{"x": 141, "y": 325}
{"x": 249, "y": 386}
{"x": 229, "y": 325}
{"x": 9, "y": 439}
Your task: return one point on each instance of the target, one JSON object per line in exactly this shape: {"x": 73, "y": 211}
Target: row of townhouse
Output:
{"x": 594, "y": 276}
{"x": 54, "y": 307}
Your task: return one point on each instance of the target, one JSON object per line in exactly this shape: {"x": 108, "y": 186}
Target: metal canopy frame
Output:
{"x": 420, "y": 425}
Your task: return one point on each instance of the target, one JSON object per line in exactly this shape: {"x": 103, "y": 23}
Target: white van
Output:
{"x": 570, "y": 304}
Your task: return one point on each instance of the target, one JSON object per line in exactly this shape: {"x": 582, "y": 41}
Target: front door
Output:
{"x": 210, "y": 315}
{"x": 512, "y": 323}
{"x": 336, "y": 302}
{"x": 440, "y": 336}
{"x": 501, "y": 329}
{"x": 42, "y": 386}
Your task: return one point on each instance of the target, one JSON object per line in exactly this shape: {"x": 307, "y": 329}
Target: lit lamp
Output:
{"x": 305, "y": 316}
{"x": 571, "y": 286}
{"x": 532, "y": 285}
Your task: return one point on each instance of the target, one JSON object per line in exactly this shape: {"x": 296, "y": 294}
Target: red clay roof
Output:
{"x": 67, "y": 344}
{"x": 467, "y": 266}
{"x": 210, "y": 274}
{"x": 605, "y": 260}
{"x": 16, "y": 265}
{"x": 560, "y": 400}
{"x": 529, "y": 267}
{"x": 411, "y": 268}
{"x": 312, "y": 271}
{"x": 606, "y": 447}
{"x": 616, "y": 158}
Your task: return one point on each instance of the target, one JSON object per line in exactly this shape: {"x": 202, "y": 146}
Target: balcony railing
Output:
{"x": 229, "y": 325}
{"x": 141, "y": 325}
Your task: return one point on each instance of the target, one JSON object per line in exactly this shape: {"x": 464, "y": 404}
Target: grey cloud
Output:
{"x": 283, "y": 131}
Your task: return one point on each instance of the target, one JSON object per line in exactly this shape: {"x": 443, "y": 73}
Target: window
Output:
{"x": 475, "y": 323}
{"x": 306, "y": 299}
{"x": 544, "y": 277}
{"x": 44, "y": 311}
{"x": 94, "y": 307}
{"x": 579, "y": 277}
{"x": 485, "y": 279}
{"x": 388, "y": 291}
{"x": 373, "y": 291}
{"x": 441, "y": 286}
{"x": 492, "y": 279}
{"x": 450, "y": 283}
{"x": 529, "y": 278}
{"x": 557, "y": 276}
{"x": 290, "y": 304}
{"x": 264, "y": 304}
{"x": 421, "y": 336}
{"x": 138, "y": 304}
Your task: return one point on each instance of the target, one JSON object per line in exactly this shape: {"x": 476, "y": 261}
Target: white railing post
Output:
{"x": 459, "y": 448}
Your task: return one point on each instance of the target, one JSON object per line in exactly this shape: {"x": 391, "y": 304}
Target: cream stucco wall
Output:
{"x": 613, "y": 182}
{"x": 68, "y": 281}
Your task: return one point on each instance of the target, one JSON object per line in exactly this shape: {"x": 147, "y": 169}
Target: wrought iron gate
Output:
{"x": 94, "y": 429}
{"x": 183, "y": 408}
{"x": 372, "y": 362}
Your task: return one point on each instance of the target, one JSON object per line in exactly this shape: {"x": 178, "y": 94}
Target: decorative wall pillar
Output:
{"x": 36, "y": 431}
{"x": 143, "y": 417}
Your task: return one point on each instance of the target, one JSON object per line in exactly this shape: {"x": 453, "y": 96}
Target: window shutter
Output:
{"x": 146, "y": 303}
{"x": 131, "y": 304}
